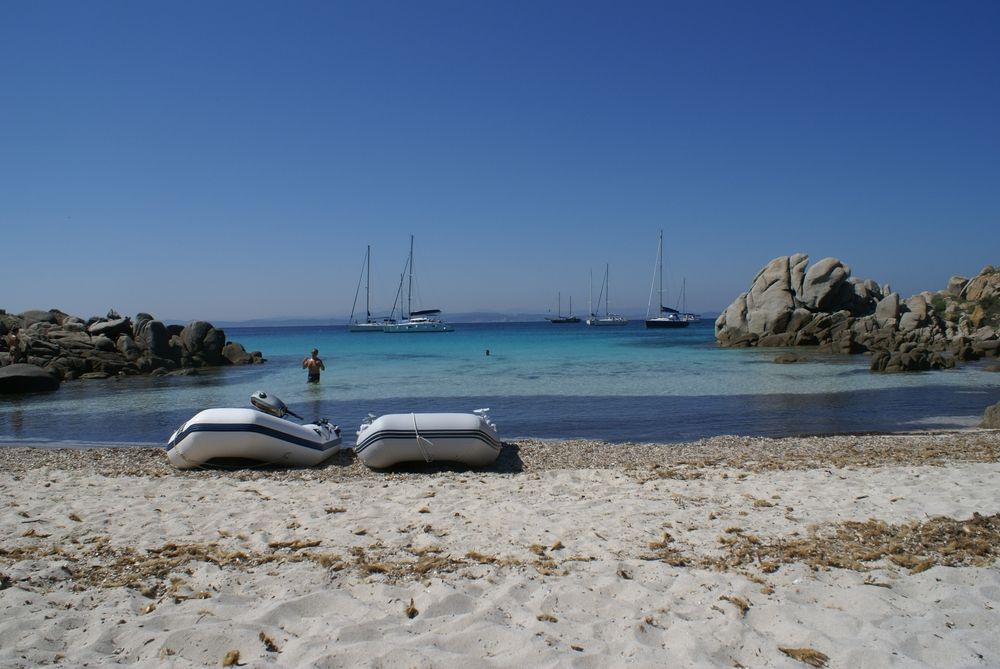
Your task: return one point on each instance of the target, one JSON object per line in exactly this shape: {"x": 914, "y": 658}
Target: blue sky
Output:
{"x": 229, "y": 160}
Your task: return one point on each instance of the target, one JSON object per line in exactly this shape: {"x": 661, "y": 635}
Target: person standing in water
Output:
{"x": 314, "y": 365}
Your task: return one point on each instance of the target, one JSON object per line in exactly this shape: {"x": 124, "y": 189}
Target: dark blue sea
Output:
{"x": 540, "y": 380}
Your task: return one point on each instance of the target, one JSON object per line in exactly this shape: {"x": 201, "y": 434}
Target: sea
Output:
{"x": 539, "y": 380}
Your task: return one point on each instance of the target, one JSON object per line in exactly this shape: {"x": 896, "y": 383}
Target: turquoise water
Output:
{"x": 541, "y": 380}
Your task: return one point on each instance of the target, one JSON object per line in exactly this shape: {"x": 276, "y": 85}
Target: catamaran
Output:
{"x": 667, "y": 317}
{"x": 609, "y": 318}
{"x": 415, "y": 321}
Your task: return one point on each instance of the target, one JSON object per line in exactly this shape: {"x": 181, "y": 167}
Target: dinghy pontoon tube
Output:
{"x": 264, "y": 435}
{"x": 469, "y": 438}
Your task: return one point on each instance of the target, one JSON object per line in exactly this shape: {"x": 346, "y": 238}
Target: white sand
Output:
{"x": 576, "y": 581}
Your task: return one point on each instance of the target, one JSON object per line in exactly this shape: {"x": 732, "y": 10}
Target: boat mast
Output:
{"x": 590, "y": 299}
{"x": 357, "y": 291}
{"x": 660, "y": 261}
{"x": 368, "y": 283}
{"x": 409, "y": 289}
{"x": 607, "y": 295}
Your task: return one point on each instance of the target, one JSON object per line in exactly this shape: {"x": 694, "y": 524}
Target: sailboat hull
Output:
{"x": 611, "y": 320}
{"x": 366, "y": 327}
{"x": 666, "y": 323}
{"x": 418, "y": 325}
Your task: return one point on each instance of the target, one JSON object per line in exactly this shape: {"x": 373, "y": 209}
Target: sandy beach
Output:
{"x": 846, "y": 551}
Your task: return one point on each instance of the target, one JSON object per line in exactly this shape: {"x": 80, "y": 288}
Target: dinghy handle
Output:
{"x": 485, "y": 415}
{"x": 424, "y": 452}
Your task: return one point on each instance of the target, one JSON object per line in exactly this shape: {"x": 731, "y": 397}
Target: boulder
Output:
{"x": 102, "y": 361}
{"x": 732, "y": 322}
{"x": 202, "y": 343}
{"x": 111, "y": 329}
{"x": 102, "y": 343}
{"x": 916, "y": 314}
{"x": 236, "y": 354}
{"x": 990, "y": 347}
{"x": 25, "y": 378}
{"x": 68, "y": 367}
{"x": 984, "y": 333}
{"x": 822, "y": 282}
{"x": 152, "y": 335}
{"x": 72, "y": 340}
{"x": 74, "y": 326}
{"x": 776, "y": 340}
{"x": 991, "y": 418}
{"x": 33, "y": 316}
{"x": 770, "y": 302}
{"x": 956, "y": 285}
{"x": 887, "y": 310}
{"x": 800, "y": 318}
{"x": 128, "y": 348}
{"x": 986, "y": 284}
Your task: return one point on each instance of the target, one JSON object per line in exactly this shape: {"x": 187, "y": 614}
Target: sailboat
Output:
{"x": 689, "y": 317}
{"x": 368, "y": 325}
{"x": 667, "y": 317}
{"x": 609, "y": 318}
{"x": 563, "y": 319}
{"x": 415, "y": 321}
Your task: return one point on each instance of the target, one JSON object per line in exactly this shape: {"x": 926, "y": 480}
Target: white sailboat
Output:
{"x": 685, "y": 314}
{"x": 666, "y": 317}
{"x": 368, "y": 325}
{"x": 609, "y": 318}
{"x": 424, "y": 320}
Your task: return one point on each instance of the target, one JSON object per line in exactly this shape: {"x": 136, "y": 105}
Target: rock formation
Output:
{"x": 826, "y": 307}
{"x": 67, "y": 347}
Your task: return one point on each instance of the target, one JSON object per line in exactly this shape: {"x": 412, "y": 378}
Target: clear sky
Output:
{"x": 229, "y": 160}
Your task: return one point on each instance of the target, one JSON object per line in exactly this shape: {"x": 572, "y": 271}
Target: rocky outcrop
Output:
{"x": 67, "y": 347}
{"x": 824, "y": 306}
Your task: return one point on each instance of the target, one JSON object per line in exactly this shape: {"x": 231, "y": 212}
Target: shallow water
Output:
{"x": 540, "y": 380}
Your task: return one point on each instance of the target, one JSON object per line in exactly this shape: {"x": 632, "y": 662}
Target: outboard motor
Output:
{"x": 270, "y": 404}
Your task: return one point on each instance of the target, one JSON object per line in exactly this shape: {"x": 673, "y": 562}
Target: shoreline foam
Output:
{"x": 718, "y": 552}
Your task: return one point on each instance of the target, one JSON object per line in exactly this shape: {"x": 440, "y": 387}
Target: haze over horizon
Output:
{"x": 232, "y": 161}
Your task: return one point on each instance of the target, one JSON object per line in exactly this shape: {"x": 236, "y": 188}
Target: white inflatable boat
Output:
{"x": 265, "y": 436}
{"x": 469, "y": 438}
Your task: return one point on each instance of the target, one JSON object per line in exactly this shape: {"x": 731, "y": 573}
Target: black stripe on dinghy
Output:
{"x": 429, "y": 435}
{"x": 257, "y": 429}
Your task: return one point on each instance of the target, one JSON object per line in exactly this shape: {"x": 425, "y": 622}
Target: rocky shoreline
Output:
{"x": 826, "y": 308}
{"x": 53, "y": 346}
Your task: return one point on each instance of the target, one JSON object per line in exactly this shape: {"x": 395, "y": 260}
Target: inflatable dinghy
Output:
{"x": 263, "y": 435}
{"x": 387, "y": 440}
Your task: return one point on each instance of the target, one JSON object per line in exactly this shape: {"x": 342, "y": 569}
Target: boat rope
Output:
{"x": 416, "y": 433}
